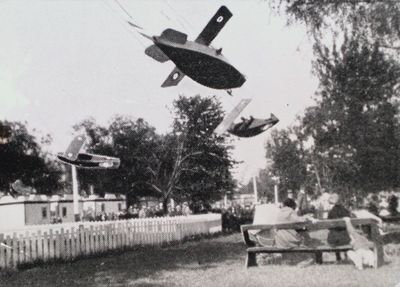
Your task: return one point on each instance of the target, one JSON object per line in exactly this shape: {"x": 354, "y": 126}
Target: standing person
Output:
{"x": 143, "y": 211}
{"x": 337, "y": 236}
{"x": 186, "y": 209}
{"x": 302, "y": 202}
{"x": 178, "y": 210}
{"x": 324, "y": 205}
{"x": 290, "y": 194}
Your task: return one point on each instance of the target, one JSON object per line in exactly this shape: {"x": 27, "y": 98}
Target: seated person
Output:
{"x": 287, "y": 238}
{"x": 337, "y": 236}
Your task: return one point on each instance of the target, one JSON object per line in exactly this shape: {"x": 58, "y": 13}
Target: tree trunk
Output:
{"x": 165, "y": 205}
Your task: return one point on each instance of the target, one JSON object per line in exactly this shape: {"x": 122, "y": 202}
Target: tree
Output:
{"x": 22, "y": 158}
{"x": 376, "y": 21}
{"x": 203, "y": 159}
{"x": 288, "y": 161}
{"x": 353, "y": 125}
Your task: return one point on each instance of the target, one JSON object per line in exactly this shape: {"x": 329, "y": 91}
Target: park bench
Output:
{"x": 369, "y": 226}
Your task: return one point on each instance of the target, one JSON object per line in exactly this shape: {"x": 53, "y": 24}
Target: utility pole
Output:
{"x": 276, "y": 182}
{"x": 75, "y": 193}
{"x": 255, "y": 190}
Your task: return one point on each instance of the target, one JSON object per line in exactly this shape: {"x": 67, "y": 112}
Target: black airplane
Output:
{"x": 85, "y": 160}
{"x": 252, "y": 127}
{"x": 247, "y": 127}
{"x": 200, "y": 62}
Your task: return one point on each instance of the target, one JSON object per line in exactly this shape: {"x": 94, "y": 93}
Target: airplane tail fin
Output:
{"x": 154, "y": 52}
{"x": 74, "y": 147}
{"x": 229, "y": 119}
{"x": 274, "y": 119}
{"x": 174, "y": 36}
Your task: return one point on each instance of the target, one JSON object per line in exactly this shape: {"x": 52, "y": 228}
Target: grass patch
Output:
{"x": 215, "y": 261}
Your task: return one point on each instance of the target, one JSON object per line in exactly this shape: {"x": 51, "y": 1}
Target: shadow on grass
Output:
{"x": 124, "y": 268}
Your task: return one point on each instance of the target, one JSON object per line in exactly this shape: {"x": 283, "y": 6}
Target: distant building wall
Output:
{"x": 109, "y": 204}
{"x": 40, "y": 209}
{"x": 12, "y": 213}
{"x": 37, "y": 212}
{"x": 66, "y": 209}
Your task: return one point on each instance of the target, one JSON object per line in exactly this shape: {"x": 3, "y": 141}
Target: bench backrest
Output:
{"x": 371, "y": 225}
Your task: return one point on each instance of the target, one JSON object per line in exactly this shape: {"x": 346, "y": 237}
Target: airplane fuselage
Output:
{"x": 252, "y": 127}
{"x": 91, "y": 161}
{"x": 246, "y": 133}
{"x": 202, "y": 64}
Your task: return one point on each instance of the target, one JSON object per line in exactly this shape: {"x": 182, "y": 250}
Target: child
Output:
{"x": 361, "y": 254}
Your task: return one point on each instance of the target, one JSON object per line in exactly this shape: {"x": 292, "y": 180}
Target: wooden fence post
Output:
{"x": 51, "y": 245}
{"x": 40, "y": 245}
{"x": 9, "y": 252}
{"x": 2, "y": 252}
{"x": 46, "y": 243}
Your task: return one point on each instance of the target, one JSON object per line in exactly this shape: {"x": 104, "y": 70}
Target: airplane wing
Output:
{"x": 174, "y": 78}
{"x": 228, "y": 120}
{"x": 214, "y": 26}
{"x": 74, "y": 147}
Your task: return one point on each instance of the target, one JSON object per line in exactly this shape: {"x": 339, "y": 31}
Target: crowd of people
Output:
{"x": 145, "y": 211}
{"x": 326, "y": 206}
{"x": 139, "y": 211}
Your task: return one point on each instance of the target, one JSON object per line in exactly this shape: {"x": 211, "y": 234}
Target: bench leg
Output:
{"x": 251, "y": 259}
{"x": 318, "y": 257}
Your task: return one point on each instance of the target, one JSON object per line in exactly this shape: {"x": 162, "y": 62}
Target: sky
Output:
{"x": 65, "y": 61}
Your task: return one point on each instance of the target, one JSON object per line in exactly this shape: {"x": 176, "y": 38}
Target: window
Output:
{"x": 44, "y": 212}
{"x": 119, "y": 206}
{"x": 64, "y": 211}
{"x": 103, "y": 207}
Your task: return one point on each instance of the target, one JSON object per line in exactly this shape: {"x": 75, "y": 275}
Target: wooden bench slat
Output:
{"x": 321, "y": 224}
{"x": 300, "y": 249}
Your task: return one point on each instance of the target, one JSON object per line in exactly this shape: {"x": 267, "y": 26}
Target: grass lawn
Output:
{"x": 208, "y": 262}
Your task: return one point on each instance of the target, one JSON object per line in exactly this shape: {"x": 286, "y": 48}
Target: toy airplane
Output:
{"x": 84, "y": 160}
{"x": 247, "y": 127}
{"x": 252, "y": 127}
{"x": 197, "y": 60}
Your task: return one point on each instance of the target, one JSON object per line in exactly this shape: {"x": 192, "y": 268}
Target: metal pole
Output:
{"x": 276, "y": 193}
{"x": 255, "y": 190}
{"x": 75, "y": 193}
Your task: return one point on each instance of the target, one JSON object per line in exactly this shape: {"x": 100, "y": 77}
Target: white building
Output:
{"x": 41, "y": 209}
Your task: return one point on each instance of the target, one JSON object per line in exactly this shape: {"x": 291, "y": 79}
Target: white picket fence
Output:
{"x": 93, "y": 238}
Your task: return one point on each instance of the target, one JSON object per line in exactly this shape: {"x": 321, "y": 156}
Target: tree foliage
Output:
{"x": 376, "y": 21}
{"x": 285, "y": 151}
{"x": 354, "y": 123}
{"x": 22, "y": 158}
{"x": 351, "y": 135}
{"x": 207, "y": 160}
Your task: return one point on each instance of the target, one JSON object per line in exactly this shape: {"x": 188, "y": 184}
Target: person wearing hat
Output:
{"x": 337, "y": 236}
